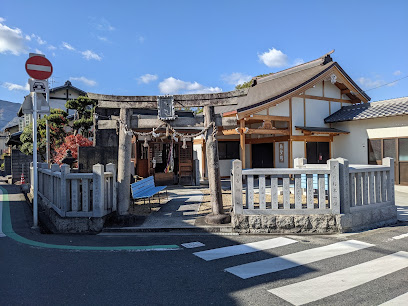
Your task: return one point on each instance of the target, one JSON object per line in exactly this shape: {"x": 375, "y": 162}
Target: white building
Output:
{"x": 283, "y": 117}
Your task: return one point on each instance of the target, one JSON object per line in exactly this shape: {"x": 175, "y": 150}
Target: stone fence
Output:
{"x": 88, "y": 197}
{"x": 336, "y": 197}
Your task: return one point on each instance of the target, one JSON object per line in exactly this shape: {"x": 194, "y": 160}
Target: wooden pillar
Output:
{"x": 213, "y": 167}
{"x": 242, "y": 142}
{"x": 124, "y": 153}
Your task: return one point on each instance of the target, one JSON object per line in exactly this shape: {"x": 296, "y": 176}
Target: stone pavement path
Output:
{"x": 181, "y": 211}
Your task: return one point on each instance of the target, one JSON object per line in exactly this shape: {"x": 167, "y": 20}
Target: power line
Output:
{"x": 387, "y": 83}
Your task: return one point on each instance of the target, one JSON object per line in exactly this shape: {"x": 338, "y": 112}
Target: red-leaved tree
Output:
{"x": 72, "y": 143}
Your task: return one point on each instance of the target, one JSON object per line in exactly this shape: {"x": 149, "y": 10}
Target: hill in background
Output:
{"x": 8, "y": 110}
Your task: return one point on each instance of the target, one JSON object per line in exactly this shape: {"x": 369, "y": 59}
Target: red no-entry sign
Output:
{"x": 38, "y": 67}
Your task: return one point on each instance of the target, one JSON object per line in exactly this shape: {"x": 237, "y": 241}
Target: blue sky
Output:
{"x": 168, "y": 47}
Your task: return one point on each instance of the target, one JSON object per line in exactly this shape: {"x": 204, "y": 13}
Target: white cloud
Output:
{"x": 398, "y": 72}
{"x": 298, "y": 61}
{"x": 141, "y": 39}
{"x": 67, "y": 46}
{"x": 102, "y": 38}
{"x": 273, "y": 58}
{"x": 2, "y": 19}
{"x": 173, "y": 86}
{"x": 38, "y": 38}
{"x": 88, "y": 54}
{"x": 27, "y": 37}
{"x": 51, "y": 47}
{"x": 236, "y": 78}
{"x": 101, "y": 24}
{"x": 147, "y": 78}
{"x": 12, "y": 86}
{"x": 38, "y": 51}
{"x": 84, "y": 80}
{"x": 11, "y": 40}
{"x": 369, "y": 83}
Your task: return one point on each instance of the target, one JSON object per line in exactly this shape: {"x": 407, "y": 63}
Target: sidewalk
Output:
{"x": 401, "y": 201}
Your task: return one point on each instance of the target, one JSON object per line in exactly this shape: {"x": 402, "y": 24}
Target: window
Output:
{"x": 403, "y": 149}
{"x": 228, "y": 149}
{"x": 374, "y": 151}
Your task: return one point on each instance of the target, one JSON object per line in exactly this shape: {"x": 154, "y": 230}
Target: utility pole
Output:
{"x": 35, "y": 183}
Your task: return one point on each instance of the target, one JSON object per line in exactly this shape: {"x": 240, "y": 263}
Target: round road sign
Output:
{"x": 38, "y": 67}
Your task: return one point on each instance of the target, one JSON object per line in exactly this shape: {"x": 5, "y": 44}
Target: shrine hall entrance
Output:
{"x": 262, "y": 155}
{"x": 166, "y": 160}
{"x": 317, "y": 152}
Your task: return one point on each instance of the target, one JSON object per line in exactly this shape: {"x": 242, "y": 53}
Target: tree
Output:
{"x": 57, "y": 121}
{"x": 249, "y": 83}
{"x": 71, "y": 142}
{"x": 84, "y": 108}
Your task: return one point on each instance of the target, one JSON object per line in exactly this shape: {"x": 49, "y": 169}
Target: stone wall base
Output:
{"x": 319, "y": 224}
{"x": 67, "y": 225}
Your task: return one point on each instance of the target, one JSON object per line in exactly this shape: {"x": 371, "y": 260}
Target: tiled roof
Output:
{"x": 323, "y": 130}
{"x": 385, "y": 108}
{"x": 14, "y": 122}
{"x": 278, "y": 85}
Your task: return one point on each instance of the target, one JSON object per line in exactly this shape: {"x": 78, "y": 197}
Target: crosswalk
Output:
{"x": 320, "y": 287}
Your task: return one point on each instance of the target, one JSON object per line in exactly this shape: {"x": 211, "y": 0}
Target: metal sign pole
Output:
{"x": 35, "y": 181}
{"x": 47, "y": 132}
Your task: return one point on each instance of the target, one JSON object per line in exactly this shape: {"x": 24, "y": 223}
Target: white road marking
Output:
{"x": 398, "y": 301}
{"x": 296, "y": 259}
{"x": 320, "y": 287}
{"x": 1, "y": 215}
{"x": 244, "y": 248}
{"x": 38, "y": 67}
{"x": 400, "y": 236}
{"x": 190, "y": 245}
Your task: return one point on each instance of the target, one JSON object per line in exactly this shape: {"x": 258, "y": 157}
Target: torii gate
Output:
{"x": 207, "y": 101}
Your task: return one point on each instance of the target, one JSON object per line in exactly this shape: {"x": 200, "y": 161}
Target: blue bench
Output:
{"x": 145, "y": 189}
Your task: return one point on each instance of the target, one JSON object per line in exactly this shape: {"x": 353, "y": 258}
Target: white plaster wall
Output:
{"x": 317, "y": 90}
{"x": 353, "y": 146}
{"x": 281, "y": 109}
{"x": 331, "y": 90}
{"x": 316, "y": 111}
{"x": 276, "y": 155}
{"x": 298, "y": 149}
{"x": 334, "y": 106}
{"x": 297, "y": 115}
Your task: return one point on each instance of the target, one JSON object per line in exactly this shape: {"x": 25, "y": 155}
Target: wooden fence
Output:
{"x": 78, "y": 194}
{"x": 334, "y": 188}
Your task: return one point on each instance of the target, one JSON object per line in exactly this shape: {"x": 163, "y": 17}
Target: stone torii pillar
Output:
{"x": 213, "y": 166}
{"x": 124, "y": 152}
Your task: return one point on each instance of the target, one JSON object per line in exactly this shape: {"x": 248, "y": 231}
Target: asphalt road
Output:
{"x": 368, "y": 271}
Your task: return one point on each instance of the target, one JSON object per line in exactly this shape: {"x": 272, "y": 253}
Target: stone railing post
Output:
{"x": 334, "y": 188}
{"x": 64, "y": 192}
{"x": 98, "y": 190}
{"x": 389, "y": 162}
{"x": 112, "y": 168}
{"x": 299, "y": 162}
{"x": 53, "y": 188}
{"x": 236, "y": 186}
{"x": 344, "y": 186}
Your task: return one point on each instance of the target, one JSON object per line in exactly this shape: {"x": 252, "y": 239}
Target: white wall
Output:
{"x": 353, "y": 146}
{"x": 297, "y": 115}
{"x": 316, "y": 111}
{"x": 335, "y": 106}
{"x": 317, "y": 90}
{"x": 281, "y": 109}
{"x": 298, "y": 149}
{"x": 331, "y": 91}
